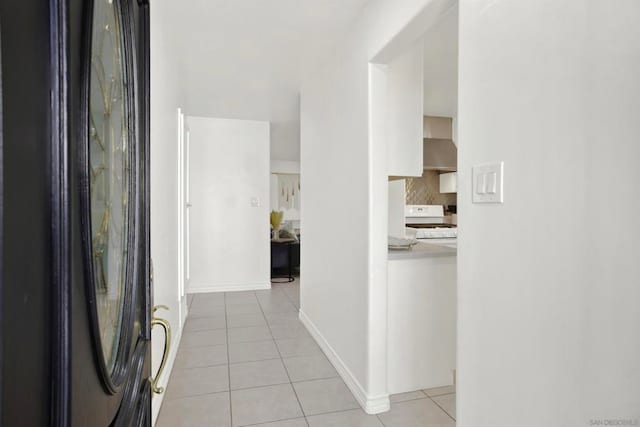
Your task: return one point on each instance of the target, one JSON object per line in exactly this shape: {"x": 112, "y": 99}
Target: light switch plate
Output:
{"x": 255, "y": 202}
{"x": 488, "y": 183}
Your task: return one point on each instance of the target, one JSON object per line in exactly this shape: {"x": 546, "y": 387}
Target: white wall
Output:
{"x": 549, "y": 282}
{"x": 229, "y": 238}
{"x": 405, "y": 111}
{"x": 441, "y": 67}
{"x": 285, "y": 140}
{"x": 245, "y": 59}
{"x": 343, "y": 291}
{"x": 166, "y": 97}
{"x": 397, "y": 202}
{"x": 285, "y": 166}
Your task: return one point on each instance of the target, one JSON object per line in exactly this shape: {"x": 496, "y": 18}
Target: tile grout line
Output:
{"x": 441, "y": 408}
{"x": 256, "y": 361}
{"x": 289, "y": 297}
{"x": 174, "y": 370}
{"x": 304, "y": 416}
{"x": 339, "y": 411}
{"x": 228, "y": 360}
{"x": 425, "y": 396}
{"x": 269, "y": 422}
{"x": 285, "y": 366}
{"x": 191, "y": 396}
{"x": 411, "y": 400}
{"x": 199, "y": 367}
{"x": 271, "y": 385}
{"x": 440, "y": 395}
{"x": 280, "y": 357}
{"x": 260, "y": 386}
{"x": 177, "y": 369}
{"x": 202, "y": 330}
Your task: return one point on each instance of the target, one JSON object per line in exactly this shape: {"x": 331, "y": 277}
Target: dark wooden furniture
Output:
{"x": 285, "y": 258}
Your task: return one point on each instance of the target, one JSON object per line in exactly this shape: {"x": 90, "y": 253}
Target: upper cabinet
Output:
{"x": 405, "y": 79}
{"x": 449, "y": 182}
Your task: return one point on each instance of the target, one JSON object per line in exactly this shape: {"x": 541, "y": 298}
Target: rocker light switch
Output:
{"x": 481, "y": 184}
{"x": 488, "y": 183}
{"x": 491, "y": 182}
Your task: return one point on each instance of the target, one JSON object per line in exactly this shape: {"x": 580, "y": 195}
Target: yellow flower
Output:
{"x": 276, "y": 219}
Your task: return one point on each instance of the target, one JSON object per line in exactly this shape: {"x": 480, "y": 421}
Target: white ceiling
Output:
{"x": 245, "y": 58}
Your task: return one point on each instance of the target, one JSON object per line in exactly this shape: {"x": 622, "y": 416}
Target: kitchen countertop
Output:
{"x": 422, "y": 250}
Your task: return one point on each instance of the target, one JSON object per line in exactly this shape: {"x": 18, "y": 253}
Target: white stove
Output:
{"x": 427, "y": 222}
{"x": 423, "y": 214}
{"x": 437, "y": 233}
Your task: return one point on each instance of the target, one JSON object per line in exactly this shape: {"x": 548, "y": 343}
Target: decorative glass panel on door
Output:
{"x": 109, "y": 175}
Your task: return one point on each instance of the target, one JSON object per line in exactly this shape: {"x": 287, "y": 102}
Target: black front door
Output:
{"x": 76, "y": 293}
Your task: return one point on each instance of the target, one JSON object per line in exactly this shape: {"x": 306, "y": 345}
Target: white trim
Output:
{"x": 180, "y": 160}
{"x": 370, "y": 404}
{"x": 199, "y": 288}
{"x": 180, "y": 213}
{"x": 184, "y": 313}
{"x": 157, "y": 399}
{"x": 186, "y": 210}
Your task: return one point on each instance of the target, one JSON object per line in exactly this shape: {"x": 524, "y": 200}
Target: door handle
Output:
{"x": 189, "y": 205}
{"x": 166, "y": 327}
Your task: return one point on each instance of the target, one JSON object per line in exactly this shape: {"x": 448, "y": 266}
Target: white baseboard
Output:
{"x": 184, "y": 313}
{"x": 200, "y": 288}
{"x": 157, "y": 399}
{"x": 370, "y": 404}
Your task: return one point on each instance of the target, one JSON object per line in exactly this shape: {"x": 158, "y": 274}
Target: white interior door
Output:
{"x": 228, "y": 205}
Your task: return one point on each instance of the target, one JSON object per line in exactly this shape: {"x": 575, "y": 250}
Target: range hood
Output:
{"x": 439, "y": 151}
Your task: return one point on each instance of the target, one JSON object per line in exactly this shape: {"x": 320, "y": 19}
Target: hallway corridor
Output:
{"x": 246, "y": 360}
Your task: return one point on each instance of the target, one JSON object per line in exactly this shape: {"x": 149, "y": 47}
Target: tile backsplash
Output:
{"x": 426, "y": 191}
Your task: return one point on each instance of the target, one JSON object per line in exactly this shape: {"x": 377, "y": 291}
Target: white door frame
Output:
{"x": 183, "y": 248}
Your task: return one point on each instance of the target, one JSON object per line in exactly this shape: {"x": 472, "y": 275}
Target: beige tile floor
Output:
{"x": 246, "y": 360}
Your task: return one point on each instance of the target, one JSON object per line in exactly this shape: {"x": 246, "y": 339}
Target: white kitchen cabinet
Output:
{"x": 421, "y": 336}
{"x": 405, "y": 100}
{"x": 449, "y": 182}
